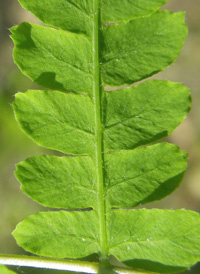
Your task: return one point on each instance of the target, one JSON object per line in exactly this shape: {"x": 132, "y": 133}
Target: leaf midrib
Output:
{"x": 98, "y": 90}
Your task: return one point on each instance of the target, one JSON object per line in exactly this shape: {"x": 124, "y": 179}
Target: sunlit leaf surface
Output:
{"x": 110, "y": 165}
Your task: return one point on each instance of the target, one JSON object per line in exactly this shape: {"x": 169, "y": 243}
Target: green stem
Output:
{"x": 98, "y": 114}
{"x": 59, "y": 264}
{"x": 37, "y": 262}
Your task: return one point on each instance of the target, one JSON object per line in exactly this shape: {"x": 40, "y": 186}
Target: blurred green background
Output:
{"x": 15, "y": 146}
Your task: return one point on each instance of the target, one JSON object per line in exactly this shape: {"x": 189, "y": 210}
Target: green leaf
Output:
{"x": 60, "y": 234}
{"x": 142, "y": 114}
{"x": 54, "y": 181}
{"x": 4, "y": 270}
{"x": 121, "y": 10}
{"x": 104, "y": 129}
{"x": 132, "y": 51}
{"x": 158, "y": 240}
{"x": 143, "y": 175}
{"x": 54, "y": 58}
{"x": 51, "y": 117}
{"x": 61, "y": 13}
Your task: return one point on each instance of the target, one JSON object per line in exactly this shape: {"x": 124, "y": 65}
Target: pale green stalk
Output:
{"x": 66, "y": 265}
